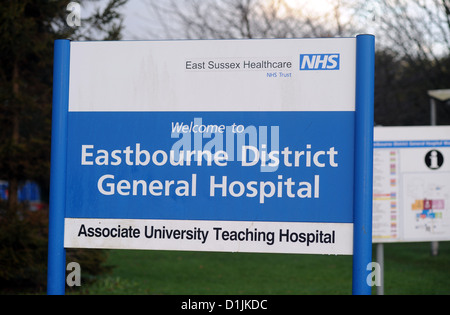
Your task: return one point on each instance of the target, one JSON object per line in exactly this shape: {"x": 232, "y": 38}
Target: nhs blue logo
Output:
{"x": 319, "y": 61}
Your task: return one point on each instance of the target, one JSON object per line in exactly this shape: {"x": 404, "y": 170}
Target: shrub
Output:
{"x": 23, "y": 252}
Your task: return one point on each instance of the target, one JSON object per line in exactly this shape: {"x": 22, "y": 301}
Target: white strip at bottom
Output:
{"x": 216, "y": 236}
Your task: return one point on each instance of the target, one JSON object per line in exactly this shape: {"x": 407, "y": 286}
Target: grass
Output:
{"x": 409, "y": 269}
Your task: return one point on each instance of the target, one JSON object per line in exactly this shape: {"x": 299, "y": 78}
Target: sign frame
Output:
{"x": 362, "y": 196}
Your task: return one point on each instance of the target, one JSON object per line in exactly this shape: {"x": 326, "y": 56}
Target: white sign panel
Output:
{"x": 220, "y": 236}
{"x": 411, "y": 187}
{"x": 221, "y": 75}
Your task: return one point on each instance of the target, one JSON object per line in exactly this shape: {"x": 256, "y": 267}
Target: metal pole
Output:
{"x": 433, "y": 111}
{"x": 56, "y": 271}
{"x": 380, "y": 260}
{"x": 434, "y": 245}
{"x": 434, "y": 248}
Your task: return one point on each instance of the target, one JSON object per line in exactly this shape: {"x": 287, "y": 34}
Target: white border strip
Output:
{"x": 411, "y": 133}
{"x": 217, "y": 236}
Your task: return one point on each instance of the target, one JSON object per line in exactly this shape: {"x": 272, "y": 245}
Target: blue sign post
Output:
{"x": 362, "y": 237}
{"x": 207, "y": 145}
{"x": 56, "y": 253}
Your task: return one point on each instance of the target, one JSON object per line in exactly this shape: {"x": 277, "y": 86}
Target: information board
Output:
{"x": 411, "y": 200}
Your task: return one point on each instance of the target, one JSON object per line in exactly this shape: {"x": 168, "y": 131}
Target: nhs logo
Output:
{"x": 319, "y": 61}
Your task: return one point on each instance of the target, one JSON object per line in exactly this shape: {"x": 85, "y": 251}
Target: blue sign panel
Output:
{"x": 165, "y": 165}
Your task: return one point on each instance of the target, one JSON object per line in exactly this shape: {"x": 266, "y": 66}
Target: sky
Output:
{"x": 141, "y": 22}
{"x": 138, "y": 16}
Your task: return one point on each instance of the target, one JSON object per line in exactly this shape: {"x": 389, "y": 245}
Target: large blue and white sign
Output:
{"x": 212, "y": 145}
{"x": 231, "y": 145}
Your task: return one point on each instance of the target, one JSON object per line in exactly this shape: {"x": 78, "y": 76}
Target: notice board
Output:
{"x": 411, "y": 200}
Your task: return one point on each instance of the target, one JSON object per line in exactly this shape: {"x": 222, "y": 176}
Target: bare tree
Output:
{"x": 413, "y": 43}
{"x": 413, "y": 39}
{"x": 415, "y": 29}
{"x": 218, "y": 19}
